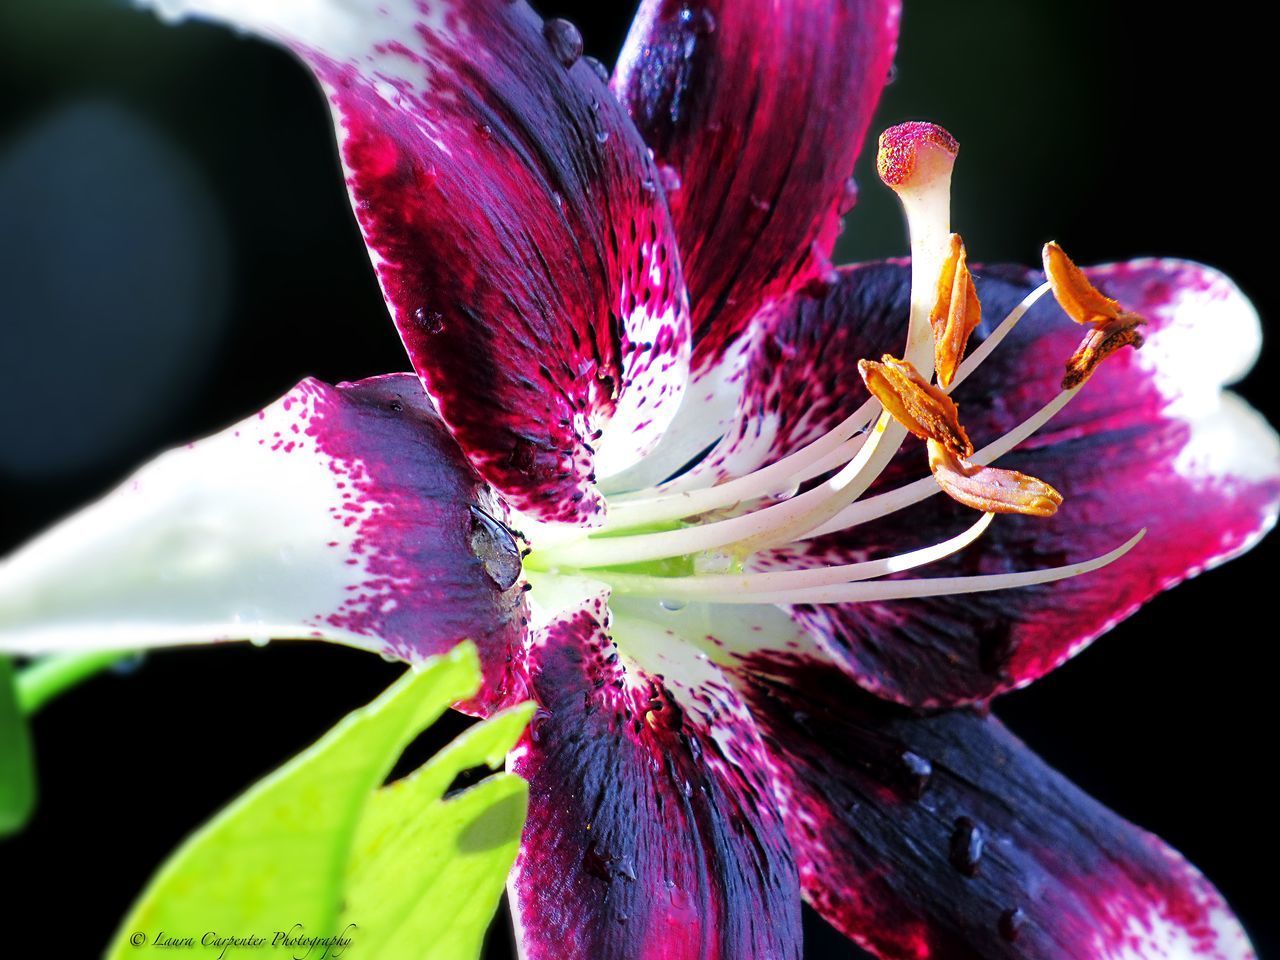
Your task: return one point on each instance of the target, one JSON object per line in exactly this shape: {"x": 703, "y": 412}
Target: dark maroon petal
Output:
{"x": 757, "y": 111}
{"x": 1151, "y": 441}
{"x": 652, "y": 830}
{"x": 340, "y": 513}
{"x": 945, "y": 837}
{"x": 801, "y": 376}
{"x": 515, "y": 221}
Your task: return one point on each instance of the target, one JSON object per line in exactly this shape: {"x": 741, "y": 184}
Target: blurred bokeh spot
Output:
{"x": 114, "y": 267}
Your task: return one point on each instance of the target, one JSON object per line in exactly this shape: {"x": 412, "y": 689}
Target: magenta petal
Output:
{"x": 945, "y": 837}
{"x": 341, "y": 513}
{"x": 757, "y": 111}
{"x": 1151, "y": 441}
{"x": 649, "y": 835}
{"x": 516, "y": 223}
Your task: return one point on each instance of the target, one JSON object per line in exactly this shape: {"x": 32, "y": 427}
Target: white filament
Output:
{"x": 928, "y": 586}
{"x": 715, "y": 586}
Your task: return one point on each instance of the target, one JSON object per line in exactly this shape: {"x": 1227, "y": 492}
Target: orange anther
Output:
{"x": 915, "y": 403}
{"x": 956, "y": 312}
{"x": 990, "y": 489}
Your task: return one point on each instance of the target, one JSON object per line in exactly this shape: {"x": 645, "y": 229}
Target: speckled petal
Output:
{"x": 341, "y": 513}
{"x": 945, "y": 837}
{"x": 652, "y": 831}
{"x": 516, "y": 223}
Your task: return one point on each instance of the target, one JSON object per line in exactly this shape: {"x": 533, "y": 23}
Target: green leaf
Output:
{"x": 17, "y": 771}
{"x": 302, "y": 851}
{"x": 428, "y": 872}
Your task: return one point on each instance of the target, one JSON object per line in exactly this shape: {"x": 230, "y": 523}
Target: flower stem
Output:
{"x": 50, "y": 676}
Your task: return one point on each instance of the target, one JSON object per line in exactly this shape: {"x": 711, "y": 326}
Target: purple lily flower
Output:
{"x": 747, "y": 694}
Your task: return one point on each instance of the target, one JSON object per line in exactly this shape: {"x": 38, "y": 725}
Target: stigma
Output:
{"x": 696, "y": 542}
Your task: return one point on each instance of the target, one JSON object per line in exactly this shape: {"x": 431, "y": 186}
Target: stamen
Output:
{"x": 922, "y": 408}
{"x": 894, "y": 500}
{"x": 930, "y": 586}
{"x": 743, "y": 534}
{"x": 956, "y": 312}
{"x": 1097, "y": 346}
{"x": 714, "y": 586}
{"x": 826, "y": 453}
{"x": 1113, "y": 326}
{"x": 989, "y": 488}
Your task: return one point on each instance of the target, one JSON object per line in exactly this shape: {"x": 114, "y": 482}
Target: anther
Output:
{"x": 915, "y": 403}
{"x": 956, "y": 312}
{"x": 1113, "y": 326}
{"x": 991, "y": 489}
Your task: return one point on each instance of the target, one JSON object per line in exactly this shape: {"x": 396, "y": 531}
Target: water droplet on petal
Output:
{"x": 259, "y": 640}
{"x": 892, "y": 77}
{"x": 1011, "y": 923}
{"x": 598, "y": 68}
{"x": 495, "y": 547}
{"x": 669, "y": 177}
{"x": 966, "y": 846}
{"x": 673, "y": 605}
{"x": 565, "y": 40}
{"x": 428, "y": 321}
{"x": 917, "y": 772}
{"x": 602, "y": 136}
{"x": 700, "y": 21}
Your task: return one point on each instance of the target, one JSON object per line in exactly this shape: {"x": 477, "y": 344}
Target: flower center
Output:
{"x": 695, "y": 544}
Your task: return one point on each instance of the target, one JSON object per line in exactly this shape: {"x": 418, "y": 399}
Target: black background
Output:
{"x": 1119, "y": 129}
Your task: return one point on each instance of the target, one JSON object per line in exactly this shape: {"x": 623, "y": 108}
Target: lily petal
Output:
{"x": 757, "y": 110}
{"x": 339, "y": 513}
{"x": 945, "y": 837}
{"x": 1151, "y": 441}
{"x": 651, "y": 831}
{"x": 517, "y": 226}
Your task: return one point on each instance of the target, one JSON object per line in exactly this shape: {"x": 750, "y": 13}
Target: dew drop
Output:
{"x": 565, "y": 40}
{"x": 916, "y": 772}
{"x": 495, "y": 547}
{"x": 700, "y": 21}
{"x": 966, "y": 846}
{"x": 598, "y": 68}
{"x": 597, "y": 862}
{"x": 1011, "y": 923}
{"x": 602, "y": 136}
{"x": 389, "y": 656}
{"x": 673, "y": 606}
{"x": 428, "y": 321}
{"x": 259, "y": 640}
{"x": 892, "y": 76}
{"x": 669, "y": 177}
